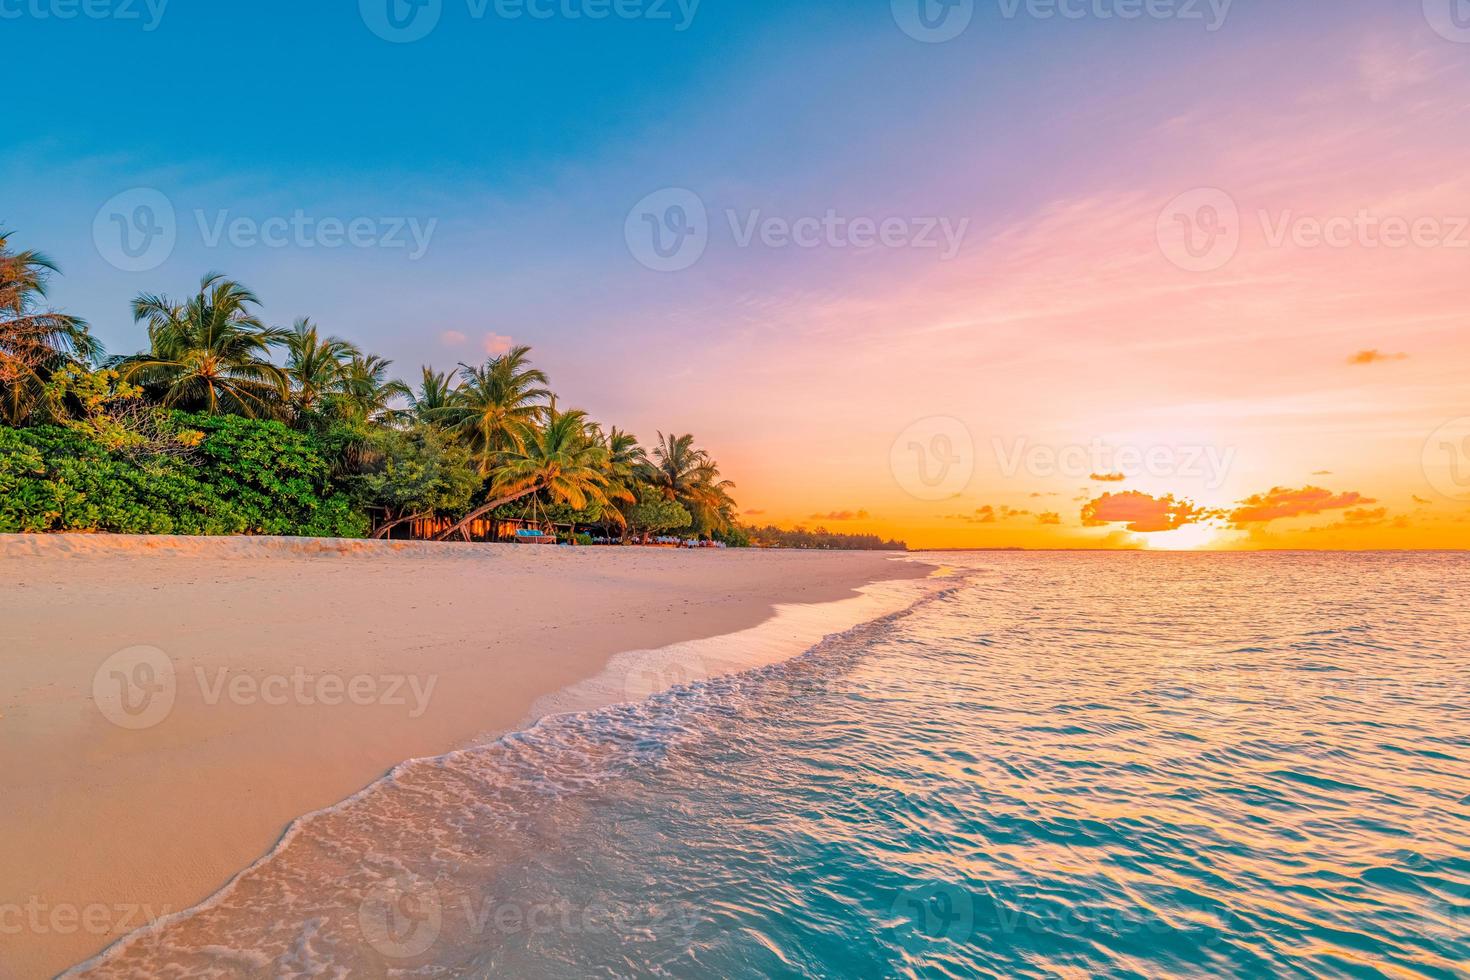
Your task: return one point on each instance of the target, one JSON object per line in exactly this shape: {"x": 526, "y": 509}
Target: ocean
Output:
{"x": 1041, "y": 765}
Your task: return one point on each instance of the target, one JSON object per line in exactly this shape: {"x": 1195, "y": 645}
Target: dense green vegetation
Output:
{"x": 225, "y": 424}
{"x": 820, "y": 539}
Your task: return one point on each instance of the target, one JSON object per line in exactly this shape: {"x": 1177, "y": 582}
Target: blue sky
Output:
{"x": 524, "y": 143}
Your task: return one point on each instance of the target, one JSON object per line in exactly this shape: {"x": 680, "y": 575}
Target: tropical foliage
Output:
{"x": 226, "y": 424}
{"x": 240, "y": 477}
{"x": 819, "y": 539}
{"x": 34, "y": 341}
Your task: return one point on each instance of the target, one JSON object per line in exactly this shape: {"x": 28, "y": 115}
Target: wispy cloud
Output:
{"x": 842, "y": 515}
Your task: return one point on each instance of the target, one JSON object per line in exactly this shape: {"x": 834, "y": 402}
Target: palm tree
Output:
{"x": 626, "y": 459}
{"x": 559, "y": 459}
{"x": 689, "y": 476}
{"x": 435, "y": 393}
{"x": 209, "y": 354}
{"x": 316, "y": 366}
{"x": 497, "y": 404}
{"x": 34, "y": 342}
{"x": 367, "y": 391}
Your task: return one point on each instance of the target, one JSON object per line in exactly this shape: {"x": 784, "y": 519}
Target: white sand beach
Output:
{"x": 168, "y": 706}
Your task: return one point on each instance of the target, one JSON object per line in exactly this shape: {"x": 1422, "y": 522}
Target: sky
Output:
{"x": 1016, "y": 273}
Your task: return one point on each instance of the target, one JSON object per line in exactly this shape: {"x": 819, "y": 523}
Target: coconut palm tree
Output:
{"x": 626, "y": 460}
{"x": 34, "y": 342}
{"x": 366, "y": 391}
{"x": 436, "y": 392}
{"x": 676, "y": 466}
{"x": 497, "y": 404}
{"x": 316, "y": 366}
{"x": 559, "y": 459}
{"x": 683, "y": 473}
{"x": 210, "y": 353}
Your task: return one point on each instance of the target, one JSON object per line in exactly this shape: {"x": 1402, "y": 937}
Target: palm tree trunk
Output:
{"x": 464, "y": 522}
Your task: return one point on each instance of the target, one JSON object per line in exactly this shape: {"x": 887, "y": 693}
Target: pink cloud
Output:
{"x": 452, "y": 338}
{"x": 497, "y": 344}
{"x": 1141, "y": 512}
{"x": 1282, "y": 502}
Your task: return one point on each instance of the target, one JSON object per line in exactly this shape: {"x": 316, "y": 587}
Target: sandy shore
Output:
{"x": 168, "y": 706}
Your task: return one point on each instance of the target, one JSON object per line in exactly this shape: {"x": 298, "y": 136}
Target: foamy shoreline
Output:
{"x": 301, "y": 672}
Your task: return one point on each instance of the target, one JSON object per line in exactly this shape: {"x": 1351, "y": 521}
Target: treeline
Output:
{"x": 224, "y": 424}
{"x": 820, "y": 539}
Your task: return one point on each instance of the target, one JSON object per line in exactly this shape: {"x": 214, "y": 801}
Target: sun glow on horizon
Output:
{"x": 1191, "y": 537}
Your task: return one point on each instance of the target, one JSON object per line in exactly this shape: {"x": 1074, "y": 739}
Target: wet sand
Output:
{"x": 168, "y": 706}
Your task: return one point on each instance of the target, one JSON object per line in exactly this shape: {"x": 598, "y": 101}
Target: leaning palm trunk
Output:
{"x": 478, "y": 512}
{"x": 382, "y": 532}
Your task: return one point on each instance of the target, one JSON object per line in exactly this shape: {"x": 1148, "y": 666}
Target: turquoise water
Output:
{"x": 1060, "y": 765}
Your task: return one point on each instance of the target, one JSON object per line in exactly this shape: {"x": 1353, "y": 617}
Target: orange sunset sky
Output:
{"x": 1205, "y": 285}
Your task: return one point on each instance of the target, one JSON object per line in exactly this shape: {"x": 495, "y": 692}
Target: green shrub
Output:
{"x": 245, "y": 477}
